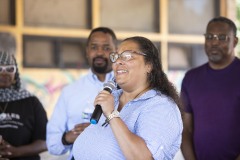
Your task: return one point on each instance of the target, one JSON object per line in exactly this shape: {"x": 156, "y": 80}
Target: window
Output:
{"x": 57, "y": 13}
{"x": 190, "y": 16}
{"x": 53, "y": 52}
{"x": 7, "y": 12}
{"x": 54, "y": 31}
{"x": 185, "y": 56}
{"x": 124, "y": 15}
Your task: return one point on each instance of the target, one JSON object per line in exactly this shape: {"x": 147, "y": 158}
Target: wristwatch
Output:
{"x": 114, "y": 114}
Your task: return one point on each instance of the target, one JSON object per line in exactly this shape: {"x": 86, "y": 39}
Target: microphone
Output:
{"x": 109, "y": 86}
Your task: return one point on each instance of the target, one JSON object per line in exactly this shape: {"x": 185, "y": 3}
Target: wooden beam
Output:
{"x": 95, "y": 13}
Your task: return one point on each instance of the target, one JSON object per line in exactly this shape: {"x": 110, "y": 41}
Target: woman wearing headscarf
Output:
{"x": 22, "y": 117}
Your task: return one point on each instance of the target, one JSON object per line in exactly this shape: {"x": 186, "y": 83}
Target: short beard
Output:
{"x": 101, "y": 69}
{"x": 215, "y": 58}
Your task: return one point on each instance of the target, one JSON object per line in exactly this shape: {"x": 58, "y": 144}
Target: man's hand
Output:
{"x": 72, "y": 135}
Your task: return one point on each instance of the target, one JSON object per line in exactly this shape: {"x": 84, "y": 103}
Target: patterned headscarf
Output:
{"x": 14, "y": 92}
{"x": 6, "y": 59}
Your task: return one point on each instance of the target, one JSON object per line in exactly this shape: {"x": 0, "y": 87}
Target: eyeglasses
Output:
{"x": 220, "y": 37}
{"x": 8, "y": 69}
{"x": 125, "y": 55}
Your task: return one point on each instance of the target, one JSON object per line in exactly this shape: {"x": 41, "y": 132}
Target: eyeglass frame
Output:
{"x": 120, "y": 55}
{"x": 216, "y": 36}
{"x": 5, "y": 67}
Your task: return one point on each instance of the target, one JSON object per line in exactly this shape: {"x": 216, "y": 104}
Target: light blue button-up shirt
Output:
{"x": 75, "y": 100}
{"x": 153, "y": 116}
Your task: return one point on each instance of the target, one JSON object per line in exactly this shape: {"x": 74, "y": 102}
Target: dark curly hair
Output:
{"x": 157, "y": 78}
{"x": 17, "y": 84}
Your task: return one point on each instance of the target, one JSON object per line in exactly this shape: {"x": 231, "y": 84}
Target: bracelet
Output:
{"x": 64, "y": 139}
{"x": 114, "y": 114}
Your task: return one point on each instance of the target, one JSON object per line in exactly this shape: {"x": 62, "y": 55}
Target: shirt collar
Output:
{"x": 109, "y": 76}
{"x": 150, "y": 93}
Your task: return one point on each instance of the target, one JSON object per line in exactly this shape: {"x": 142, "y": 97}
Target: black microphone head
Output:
{"x": 109, "y": 86}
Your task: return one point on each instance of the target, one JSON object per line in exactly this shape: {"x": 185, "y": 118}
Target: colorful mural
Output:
{"x": 47, "y": 86}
